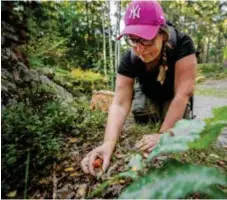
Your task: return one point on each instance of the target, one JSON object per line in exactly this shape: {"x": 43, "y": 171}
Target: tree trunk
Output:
{"x": 110, "y": 48}
{"x": 104, "y": 41}
{"x": 117, "y": 43}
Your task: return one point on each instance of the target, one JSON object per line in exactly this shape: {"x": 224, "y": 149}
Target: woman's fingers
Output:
{"x": 151, "y": 149}
{"x": 92, "y": 159}
{"x": 147, "y": 146}
{"x": 84, "y": 165}
{"x": 106, "y": 162}
{"x": 140, "y": 143}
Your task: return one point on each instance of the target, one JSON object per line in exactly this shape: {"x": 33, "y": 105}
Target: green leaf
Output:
{"x": 211, "y": 133}
{"x": 136, "y": 162}
{"x": 129, "y": 174}
{"x": 99, "y": 189}
{"x": 12, "y": 194}
{"x": 185, "y": 131}
{"x": 176, "y": 180}
{"x": 188, "y": 126}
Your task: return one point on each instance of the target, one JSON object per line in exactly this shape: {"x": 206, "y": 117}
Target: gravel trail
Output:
{"x": 203, "y": 106}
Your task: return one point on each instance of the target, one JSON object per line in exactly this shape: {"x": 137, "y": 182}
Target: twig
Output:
{"x": 63, "y": 177}
{"x": 33, "y": 196}
{"x": 55, "y": 182}
{"x": 26, "y": 175}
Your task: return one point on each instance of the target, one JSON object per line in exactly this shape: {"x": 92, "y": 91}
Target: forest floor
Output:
{"x": 66, "y": 179}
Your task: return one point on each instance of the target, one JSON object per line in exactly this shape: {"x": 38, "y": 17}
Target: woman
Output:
{"x": 163, "y": 61}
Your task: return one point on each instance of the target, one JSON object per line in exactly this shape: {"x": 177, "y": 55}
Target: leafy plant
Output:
{"x": 175, "y": 179}
{"x": 38, "y": 126}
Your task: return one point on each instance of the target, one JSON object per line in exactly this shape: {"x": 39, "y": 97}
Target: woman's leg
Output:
{"x": 144, "y": 109}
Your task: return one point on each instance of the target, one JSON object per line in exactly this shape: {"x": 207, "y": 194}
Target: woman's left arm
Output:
{"x": 184, "y": 83}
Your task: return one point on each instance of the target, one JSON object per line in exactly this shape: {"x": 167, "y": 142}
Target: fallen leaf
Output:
{"x": 81, "y": 192}
{"x": 45, "y": 181}
{"x": 134, "y": 169}
{"x": 58, "y": 168}
{"x": 72, "y": 140}
{"x": 12, "y": 194}
{"x": 214, "y": 155}
{"x": 69, "y": 169}
{"x": 74, "y": 174}
{"x": 122, "y": 181}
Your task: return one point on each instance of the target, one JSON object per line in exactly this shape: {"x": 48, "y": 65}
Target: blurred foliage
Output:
{"x": 39, "y": 124}
{"x": 156, "y": 182}
{"x": 77, "y": 81}
{"x": 212, "y": 70}
{"x": 205, "y": 22}
{"x": 67, "y": 34}
{"x": 174, "y": 179}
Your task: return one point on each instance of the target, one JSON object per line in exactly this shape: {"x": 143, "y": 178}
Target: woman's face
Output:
{"x": 151, "y": 52}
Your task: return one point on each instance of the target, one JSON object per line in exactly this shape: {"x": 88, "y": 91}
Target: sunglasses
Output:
{"x": 133, "y": 42}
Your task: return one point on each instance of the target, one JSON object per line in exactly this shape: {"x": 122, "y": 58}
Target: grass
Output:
{"x": 214, "y": 92}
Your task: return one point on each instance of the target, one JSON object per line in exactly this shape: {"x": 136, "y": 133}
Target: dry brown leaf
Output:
{"x": 134, "y": 169}
{"x": 45, "y": 181}
{"x": 81, "y": 192}
{"x": 72, "y": 140}
{"x": 58, "y": 168}
{"x": 69, "y": 169}
{"x": 74, "y": 174}
{"x": 122, "y": 181}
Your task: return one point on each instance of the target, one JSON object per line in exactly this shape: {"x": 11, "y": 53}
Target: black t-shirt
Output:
{"x": 133, "y": 67}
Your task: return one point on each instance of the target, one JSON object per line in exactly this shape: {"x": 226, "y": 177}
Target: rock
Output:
{"x": 16, "y": 77}
{"x": 61, "y": 92}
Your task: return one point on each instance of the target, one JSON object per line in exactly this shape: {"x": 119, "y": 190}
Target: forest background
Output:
{"x": 54, "y": 54}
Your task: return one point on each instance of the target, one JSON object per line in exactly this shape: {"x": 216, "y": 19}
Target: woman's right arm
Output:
{"x": 119, "y": 108}
{"x": 117, "y": 115}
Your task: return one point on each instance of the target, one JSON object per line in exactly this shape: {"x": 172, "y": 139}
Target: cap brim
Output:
{"x": 147, "y": 32}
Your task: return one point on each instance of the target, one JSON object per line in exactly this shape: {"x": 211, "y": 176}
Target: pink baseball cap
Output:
{"x": 143, "y": 19}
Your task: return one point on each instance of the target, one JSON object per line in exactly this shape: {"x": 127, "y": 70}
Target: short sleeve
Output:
{"x": 126, "y": 67}
{"x": 185, "y": 46}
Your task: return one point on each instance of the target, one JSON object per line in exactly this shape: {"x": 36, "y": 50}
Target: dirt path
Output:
{"x": 203, "y": 105}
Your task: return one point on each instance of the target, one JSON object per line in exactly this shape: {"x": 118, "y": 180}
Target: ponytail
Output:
{"x": 163, "y": 67}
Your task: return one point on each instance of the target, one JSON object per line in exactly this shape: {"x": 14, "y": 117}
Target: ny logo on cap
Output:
{"x": 135, "y": 12}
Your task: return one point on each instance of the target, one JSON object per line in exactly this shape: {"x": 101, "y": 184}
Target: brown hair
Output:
{"x": 163, "y": 67}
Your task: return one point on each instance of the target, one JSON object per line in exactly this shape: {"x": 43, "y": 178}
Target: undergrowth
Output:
{"x": 37, "y": 126}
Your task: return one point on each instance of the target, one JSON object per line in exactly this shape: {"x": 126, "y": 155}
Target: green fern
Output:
{"x": 177, "y": 180}
{"x": 184, "y": 132}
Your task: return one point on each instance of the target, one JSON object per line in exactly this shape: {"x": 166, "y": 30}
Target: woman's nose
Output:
{"x": 139, "y": 47}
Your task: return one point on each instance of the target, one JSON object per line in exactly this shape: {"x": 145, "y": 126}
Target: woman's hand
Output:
{"x": 148, "y": 142}
{"x": 103, "y": 152}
